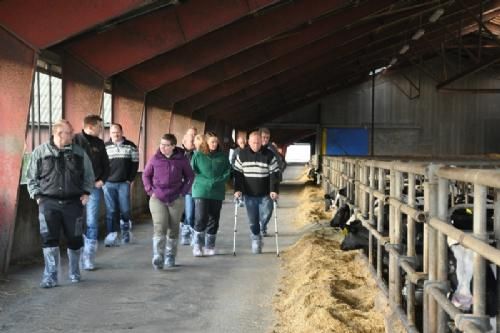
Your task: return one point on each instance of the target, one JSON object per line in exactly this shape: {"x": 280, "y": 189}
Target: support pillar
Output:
{"x": 179, "y": 124}
{"x": 157, "y": 122}
{"x": 17, "y": 67}
{"x": 128, "y": 108}
{"x": 82, "y": 92}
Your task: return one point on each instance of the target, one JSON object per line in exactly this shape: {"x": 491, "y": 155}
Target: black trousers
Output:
{"x": 207, "y": 215}
{"x": 66, "y": 214}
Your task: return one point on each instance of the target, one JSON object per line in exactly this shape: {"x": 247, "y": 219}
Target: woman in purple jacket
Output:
{"x": 167, "y": 179}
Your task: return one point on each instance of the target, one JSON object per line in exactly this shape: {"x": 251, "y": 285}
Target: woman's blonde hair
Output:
{"x": 209, "y": 135}
{"x": 203, "y": 145}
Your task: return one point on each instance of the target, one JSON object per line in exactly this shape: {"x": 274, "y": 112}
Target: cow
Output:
{"x": 341, "y": 217}
{"x": 356, "y": 236}
{"x": 463, "y": 218}
{"x": 460, "y": 273}
{"x": 332, "y": 199}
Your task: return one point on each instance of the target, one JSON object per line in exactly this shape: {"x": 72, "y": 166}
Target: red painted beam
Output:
{"x": 149, "y": 35}
{"x": 225, "y": 42}
{"x": 260, "y": 54}
{"x": 17, "y": 67}
{"x": 41, "y": 24}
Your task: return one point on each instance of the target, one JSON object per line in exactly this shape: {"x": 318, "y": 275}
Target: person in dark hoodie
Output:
{"x": 212, "y": 169}
{"x": 123, "y": 165}
{"x": 89, "y": 140}
{"x": 167, "y": 178}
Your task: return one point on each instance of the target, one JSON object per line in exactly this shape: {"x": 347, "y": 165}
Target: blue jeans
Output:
{"x": 259, "y": 209}
{"x": 117, "y": 200}
{"x": 92, "y": 207}
{"x": 189, "y": 210}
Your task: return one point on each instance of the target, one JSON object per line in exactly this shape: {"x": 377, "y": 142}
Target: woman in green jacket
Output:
{"x": 212, "y": 169}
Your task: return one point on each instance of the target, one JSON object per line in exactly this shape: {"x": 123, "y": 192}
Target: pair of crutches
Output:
{"x": 275, "y": 206}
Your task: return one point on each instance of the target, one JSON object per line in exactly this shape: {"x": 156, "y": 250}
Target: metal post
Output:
{"x": 392, "y": 259}
{"x": 372, "y": 152}
{"x": 410, "y": 236}
{"x": 365, "y": 195}
{"x": 39, "y": 130}
{"x": 479, "y": 278}
{"x": 380, "y": 220}
{"x": 430, "y": 206}
{"x": 50, "y": 103}
{"x": 397, "y": 240}
{"x": 497, "y": 236}
{"x": 370, "y": 211}
{"x": 442, "y": 254}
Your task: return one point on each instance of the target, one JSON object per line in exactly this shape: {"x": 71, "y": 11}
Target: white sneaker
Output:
{"x": 208, "y": 252}
{"x": 112, "y": 239}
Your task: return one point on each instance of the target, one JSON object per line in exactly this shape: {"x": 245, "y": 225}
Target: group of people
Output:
{"x": 67, "y": 175}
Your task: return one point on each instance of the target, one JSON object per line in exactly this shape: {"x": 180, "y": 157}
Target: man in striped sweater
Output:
{"x": 257, "y": 178}
{"x": 123, "y": 164}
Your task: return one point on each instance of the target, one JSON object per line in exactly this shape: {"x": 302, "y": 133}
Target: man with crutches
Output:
{"x": 257, "y": 179}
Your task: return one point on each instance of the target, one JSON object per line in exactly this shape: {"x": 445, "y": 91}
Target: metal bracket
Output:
{"x": 441, "y": 285}
{"x": 482, "y": 322}
{"x": 410, "y": 259}
{"x": 389, "y": 246}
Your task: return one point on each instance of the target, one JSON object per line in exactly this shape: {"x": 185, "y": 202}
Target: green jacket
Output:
{"x": 211, "y": 173}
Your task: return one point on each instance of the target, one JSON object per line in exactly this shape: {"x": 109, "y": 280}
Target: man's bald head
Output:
{"x": 255, "y": 141}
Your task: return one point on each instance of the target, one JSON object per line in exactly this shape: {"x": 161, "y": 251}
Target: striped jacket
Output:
{"x": 123, "y": 161}
{"x": 256, "y": 173}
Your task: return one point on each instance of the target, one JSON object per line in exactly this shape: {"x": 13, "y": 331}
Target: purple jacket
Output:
{"x": 168, "y": 178}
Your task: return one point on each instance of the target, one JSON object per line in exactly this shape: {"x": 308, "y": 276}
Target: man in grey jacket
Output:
{"x": 60, "y": 178}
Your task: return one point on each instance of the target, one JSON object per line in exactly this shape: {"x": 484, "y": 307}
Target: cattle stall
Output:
{"x": 394, "y": 182}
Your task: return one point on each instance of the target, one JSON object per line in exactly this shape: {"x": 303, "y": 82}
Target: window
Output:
{"x": 107, "y": 109}
{"x": 46, "y": 102}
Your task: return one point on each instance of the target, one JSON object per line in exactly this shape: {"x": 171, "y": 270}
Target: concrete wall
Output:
{"x": 27, "y": 242}
{"x": 436, "y": 123}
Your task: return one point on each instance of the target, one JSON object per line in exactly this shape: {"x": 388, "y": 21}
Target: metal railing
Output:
{"x": 383, "y": 179}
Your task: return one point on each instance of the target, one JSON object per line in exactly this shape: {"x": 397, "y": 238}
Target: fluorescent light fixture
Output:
{"x": 393, "y": 61}
{"x": 419, "y": 33}
{"x": 378, "y": 70}
{"x": 436, "y": 15}
{"x": 404, "y": 49}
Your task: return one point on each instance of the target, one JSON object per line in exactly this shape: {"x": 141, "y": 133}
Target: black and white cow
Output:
{"x": 342, "y": 215}
{"x": 356, "y": 236}
{"x": 332, "y": 199}
{"x": 460, "y": 273}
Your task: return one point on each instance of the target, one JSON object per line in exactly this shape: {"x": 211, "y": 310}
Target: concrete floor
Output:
{"x": 224, "y": 293}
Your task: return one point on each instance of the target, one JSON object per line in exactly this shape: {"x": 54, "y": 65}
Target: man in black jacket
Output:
{"x": 256, "y": 174}
{"x": 60, "y": 179}
{"x": 123, "y": 163}
{"x": 89, "y": 140}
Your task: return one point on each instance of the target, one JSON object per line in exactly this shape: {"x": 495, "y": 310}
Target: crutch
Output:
{"x": 275, "y": 203}
{"x": 236, "y": 204}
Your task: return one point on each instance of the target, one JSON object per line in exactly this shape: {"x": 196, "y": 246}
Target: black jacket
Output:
{"x": 59, "y": 174}
{"x": 95, "y": 149}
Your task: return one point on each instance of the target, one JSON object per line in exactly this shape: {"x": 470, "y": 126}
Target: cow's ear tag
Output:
{"x": 344, "y": 231}
{"x": 468, "y": 211}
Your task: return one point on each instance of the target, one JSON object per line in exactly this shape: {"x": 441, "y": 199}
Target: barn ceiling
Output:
{"x": 249, "y": 61}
